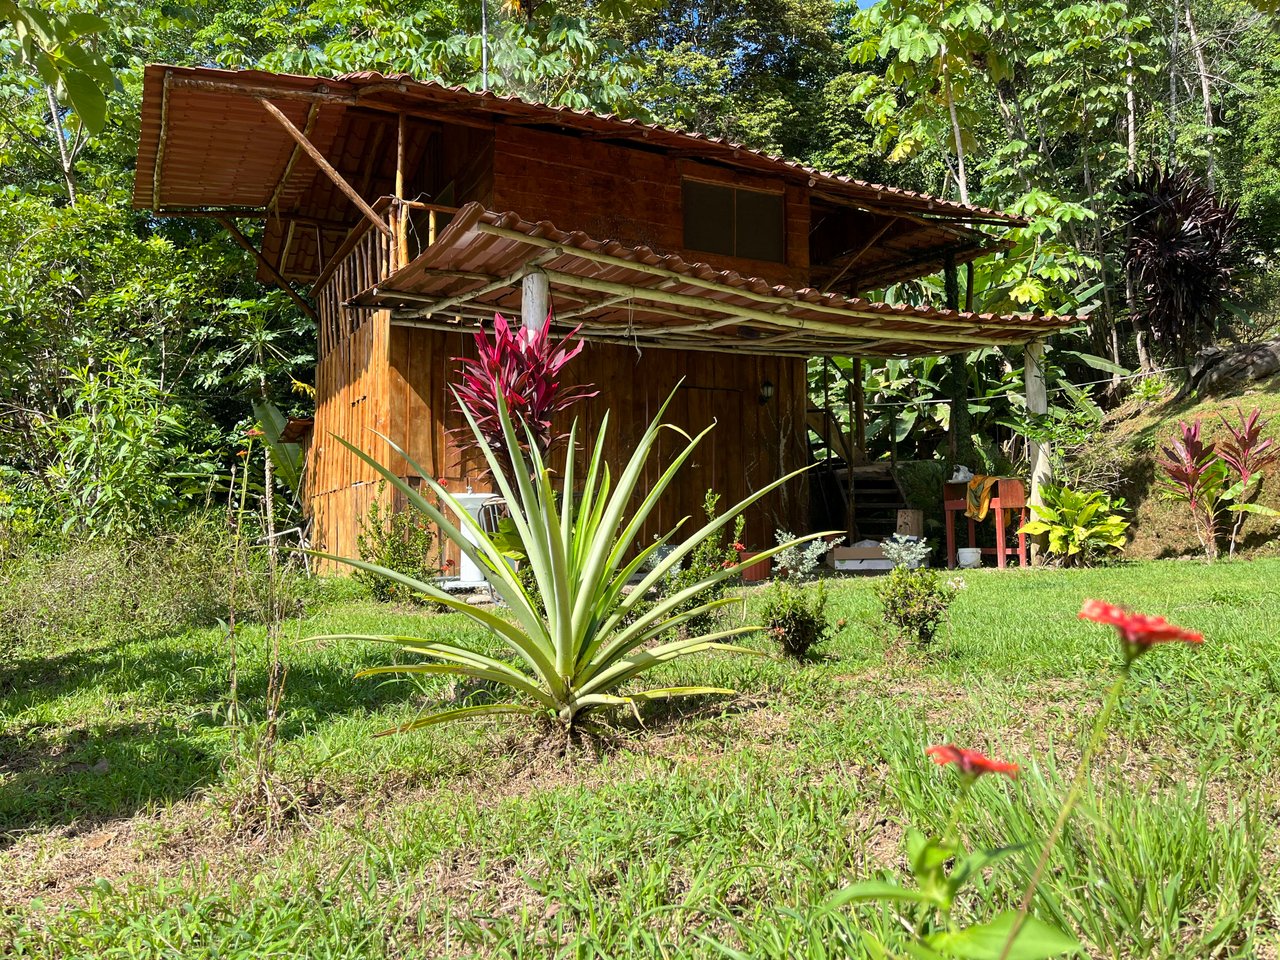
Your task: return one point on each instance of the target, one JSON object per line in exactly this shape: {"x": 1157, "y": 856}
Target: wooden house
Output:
{"x": 411, "y": 212}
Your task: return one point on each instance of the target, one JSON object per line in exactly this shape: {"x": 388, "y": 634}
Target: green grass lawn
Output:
{"x": 716, "y": 830}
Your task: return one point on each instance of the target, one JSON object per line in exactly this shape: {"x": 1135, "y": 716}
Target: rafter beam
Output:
{"x": 339, "y": 181}
{"x": 312, "y": 112}
{"x": 269, "y": 270}
{"x": 645, "y": 294}
{"x": 682, "y": 279}
{"x": 857, "y": 254}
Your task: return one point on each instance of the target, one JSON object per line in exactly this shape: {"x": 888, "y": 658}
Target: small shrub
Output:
{"x": 914, "y": 601}
{"x": 712, "y": 554}
{"x": 905, "y": 551}
{"x": 1081, "y": 527}
{"x": 401, "y": 542}
{"x": 1151, "y": 389}
{"x": 801, "y": 563}
{"x": 795, "y": 615}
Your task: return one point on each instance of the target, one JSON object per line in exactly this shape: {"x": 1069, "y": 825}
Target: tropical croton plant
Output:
{"x": 1213, "y": 477}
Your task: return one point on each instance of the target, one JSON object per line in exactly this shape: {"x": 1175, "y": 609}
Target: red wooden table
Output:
{"x": 1008, "y": 493}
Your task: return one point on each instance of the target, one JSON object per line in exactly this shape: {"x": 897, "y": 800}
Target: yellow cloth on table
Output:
{"x": 978, "y": 497}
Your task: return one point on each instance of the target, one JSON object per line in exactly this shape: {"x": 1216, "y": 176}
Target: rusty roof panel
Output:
{"x": 185, "y": 106}
{"x": 633, "y": 294}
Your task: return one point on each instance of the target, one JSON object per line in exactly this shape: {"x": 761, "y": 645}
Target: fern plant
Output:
{"x": 594, "y": 639}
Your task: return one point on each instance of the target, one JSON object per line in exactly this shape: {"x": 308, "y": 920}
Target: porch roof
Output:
{"x": 634, "y": 296}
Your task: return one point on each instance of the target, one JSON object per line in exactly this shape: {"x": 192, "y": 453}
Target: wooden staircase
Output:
{"x": 875, "y": 494}
{"x": 876, "y": 500}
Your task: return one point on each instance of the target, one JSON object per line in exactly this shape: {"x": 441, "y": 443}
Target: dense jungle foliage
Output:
{"x": 133, "y": 347}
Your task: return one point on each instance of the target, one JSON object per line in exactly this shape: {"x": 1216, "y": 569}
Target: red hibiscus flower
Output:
{"x": 448, "y": 564}
{"x": 971, "y": 763}
{"x": 1138, "y": 631}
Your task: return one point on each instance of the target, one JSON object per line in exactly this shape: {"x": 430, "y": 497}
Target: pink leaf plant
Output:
{"x": 1196, "y": 475}
{"x": 523, "y": 366}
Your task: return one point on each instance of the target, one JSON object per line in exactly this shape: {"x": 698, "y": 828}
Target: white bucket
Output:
{"x": 969, "y": 558}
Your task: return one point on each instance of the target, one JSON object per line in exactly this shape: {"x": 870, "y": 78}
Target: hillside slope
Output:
{"x": 1130, "y": 443}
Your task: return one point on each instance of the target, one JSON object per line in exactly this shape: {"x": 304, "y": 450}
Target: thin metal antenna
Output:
{"x": 484, "y": 45}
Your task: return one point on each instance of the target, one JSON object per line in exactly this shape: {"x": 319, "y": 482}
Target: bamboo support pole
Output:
{"x": 402, "y": 217}
{"x": 328, "y": 168}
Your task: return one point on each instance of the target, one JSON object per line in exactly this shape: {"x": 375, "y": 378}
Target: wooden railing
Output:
{"x": 367, "y": 256}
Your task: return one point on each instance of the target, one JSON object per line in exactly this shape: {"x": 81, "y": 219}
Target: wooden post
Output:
{"x": 402, "y": 215}
{"x": 859, "y": 413}
{"x": 535, "y": 298}
{"x": 1037, "y": 405}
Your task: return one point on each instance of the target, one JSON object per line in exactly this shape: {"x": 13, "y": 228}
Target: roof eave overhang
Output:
{"x": 632, "y": 295}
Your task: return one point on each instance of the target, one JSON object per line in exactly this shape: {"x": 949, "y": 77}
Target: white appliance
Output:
{"x": 469, "y": 574}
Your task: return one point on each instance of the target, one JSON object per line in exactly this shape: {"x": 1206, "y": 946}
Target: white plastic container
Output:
{"x": 969, "y": 558}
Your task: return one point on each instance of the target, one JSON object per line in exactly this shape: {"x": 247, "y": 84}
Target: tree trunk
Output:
{"x": 1173, "y": 84}
{"x": 1206, "y": 95}
{"x": 1104, "y": 333}
{"x": 962, "y": 180}
{"x": 65, "y": 155}
{"x": 1131, "y": 104}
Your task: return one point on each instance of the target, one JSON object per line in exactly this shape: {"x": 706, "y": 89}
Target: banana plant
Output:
{"x": 595, "y": 639}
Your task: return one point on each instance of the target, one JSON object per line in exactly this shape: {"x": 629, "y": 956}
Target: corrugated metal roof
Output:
{"x": 260, "y": 147}
{"x": 635, "y": 295}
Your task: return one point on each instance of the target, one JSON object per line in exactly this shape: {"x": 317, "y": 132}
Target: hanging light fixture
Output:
{"x": 766, "y": 392}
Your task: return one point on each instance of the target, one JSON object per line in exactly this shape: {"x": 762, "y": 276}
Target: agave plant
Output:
{"x": 595, "y": 639}
{"x": 519, "y": 367}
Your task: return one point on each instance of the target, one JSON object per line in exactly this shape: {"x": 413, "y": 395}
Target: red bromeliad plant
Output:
{"x": 523, "y": 366}
{"x": 943, "y": 866}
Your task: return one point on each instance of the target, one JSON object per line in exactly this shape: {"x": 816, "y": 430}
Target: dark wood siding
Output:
{"x": 628, "y": 194}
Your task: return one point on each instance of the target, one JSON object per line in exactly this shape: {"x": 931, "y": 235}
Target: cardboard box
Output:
{"x": 866, "y": 556}
{"x": 911, "y": 523}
